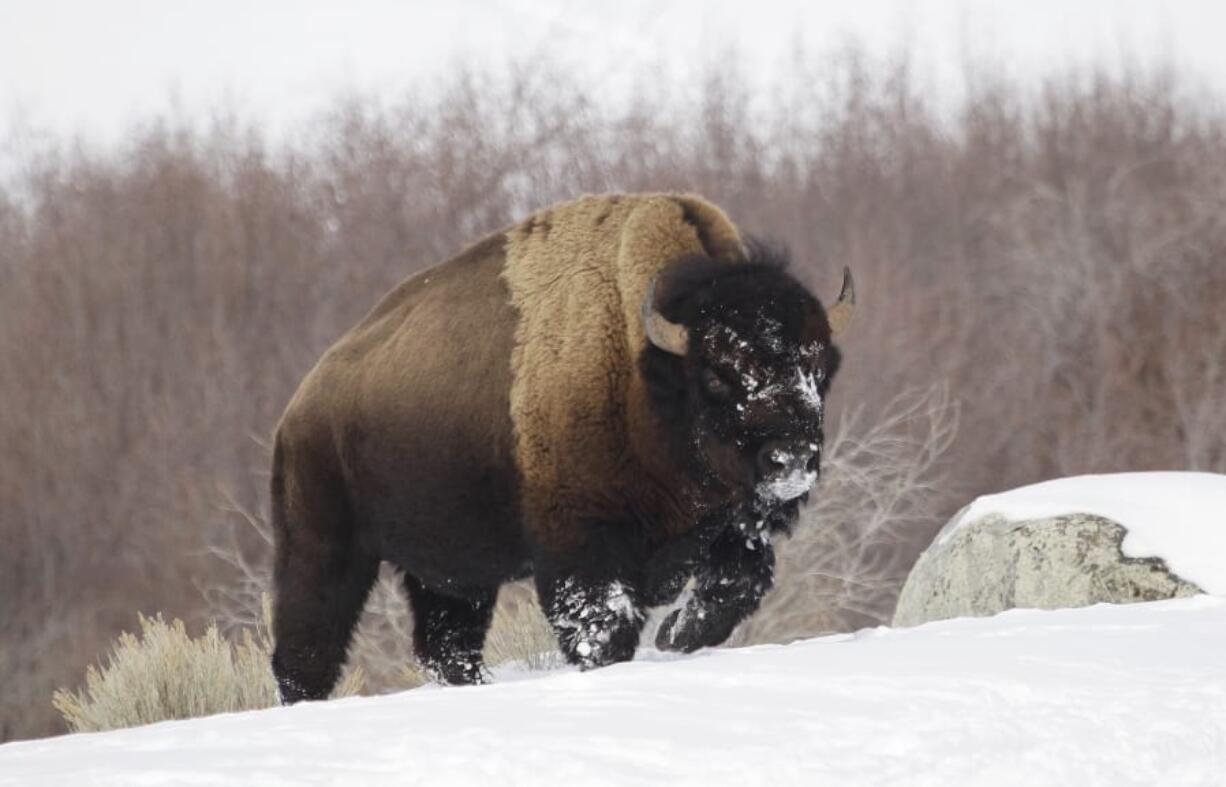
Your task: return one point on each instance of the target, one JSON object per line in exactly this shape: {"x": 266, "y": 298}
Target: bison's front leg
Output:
{"x": 596, "y": 622}
{"x": 593, "y": 602}
{"x": 728, "y": 588}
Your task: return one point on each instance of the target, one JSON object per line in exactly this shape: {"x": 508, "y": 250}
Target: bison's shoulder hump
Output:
{"x": 576, "y": 273}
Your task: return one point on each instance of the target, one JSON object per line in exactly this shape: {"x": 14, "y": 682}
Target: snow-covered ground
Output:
{"x": 1177, "y": 516}
{"x": 1105, "y": 695}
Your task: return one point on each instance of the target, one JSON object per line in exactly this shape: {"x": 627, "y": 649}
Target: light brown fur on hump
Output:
{"x": 577, "y": 273}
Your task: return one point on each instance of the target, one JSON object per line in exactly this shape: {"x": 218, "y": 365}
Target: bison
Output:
{"x": 616, "y": 396}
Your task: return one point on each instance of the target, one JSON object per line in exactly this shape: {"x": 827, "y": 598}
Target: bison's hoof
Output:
{"x": 457, "y": 671}
{"x": 600, "y": 647}
{"x": 687, "y": 629}
{"x": 596, "y": 624}
{"x": 673, "y": 635}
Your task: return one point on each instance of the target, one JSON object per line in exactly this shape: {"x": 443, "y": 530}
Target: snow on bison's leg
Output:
{"x": 592, "y": 600}
{"x": 596, "y": 622}
{"x": 728, "y": 588}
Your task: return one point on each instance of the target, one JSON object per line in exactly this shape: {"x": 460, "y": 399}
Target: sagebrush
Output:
{"x": 164, "y": 673}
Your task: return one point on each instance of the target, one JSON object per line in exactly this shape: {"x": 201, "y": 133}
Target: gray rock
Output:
{"x": 990, "y": 565}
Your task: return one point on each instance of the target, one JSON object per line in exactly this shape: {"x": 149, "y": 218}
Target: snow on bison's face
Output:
{"x": 756, "y": 361}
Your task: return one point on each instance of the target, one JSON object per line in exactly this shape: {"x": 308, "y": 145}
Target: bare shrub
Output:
{"x": 883, "y": 486}
{"x": 164, "y": 673}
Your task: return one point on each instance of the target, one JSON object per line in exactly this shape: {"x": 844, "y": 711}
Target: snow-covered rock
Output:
{"x": 994, "y": 564}
{"x": 1073, "y": 542}
{"x": 1105, "y": 695}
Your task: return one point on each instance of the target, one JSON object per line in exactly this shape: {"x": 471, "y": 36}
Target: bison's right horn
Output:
{"x": 668, "y": 336}
{"x": 839, "y": 315}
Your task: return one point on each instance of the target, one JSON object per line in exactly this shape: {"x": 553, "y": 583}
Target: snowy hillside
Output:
{"x": 1103, "y": 695}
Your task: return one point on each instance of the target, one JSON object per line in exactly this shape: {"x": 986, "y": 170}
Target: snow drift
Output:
{"x": 1109, "y": 695}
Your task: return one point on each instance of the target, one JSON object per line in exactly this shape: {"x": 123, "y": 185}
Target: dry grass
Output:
{"x": 520, "y": 634}
{"x": 1056, "y": 259}
{"x": 164, "y": 673}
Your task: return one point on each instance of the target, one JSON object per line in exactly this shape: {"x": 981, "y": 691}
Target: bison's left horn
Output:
{"x": 839, "y": 315}
{"x": 668, "y": 336}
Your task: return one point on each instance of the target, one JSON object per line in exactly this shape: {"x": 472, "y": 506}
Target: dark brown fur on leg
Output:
{"x": 319, "y": 599}
{"x": 738, "y": 572}
{"x": 321, "y": 579}
{"x": 449, "y": 631}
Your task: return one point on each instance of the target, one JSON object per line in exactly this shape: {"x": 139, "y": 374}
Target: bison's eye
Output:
{"x": 716, "y": 386}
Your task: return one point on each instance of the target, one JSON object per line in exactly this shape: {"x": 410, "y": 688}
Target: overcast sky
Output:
{"x": 95, "y": 67}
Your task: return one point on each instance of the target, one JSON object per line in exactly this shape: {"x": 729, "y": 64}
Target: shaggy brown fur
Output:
{"x": 577, "y": 274}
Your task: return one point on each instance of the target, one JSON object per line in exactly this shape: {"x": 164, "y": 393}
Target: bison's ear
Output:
{"x": 683, "y": 287}
{"x": 671, "y": 337}
{"x": 674, "y": 299}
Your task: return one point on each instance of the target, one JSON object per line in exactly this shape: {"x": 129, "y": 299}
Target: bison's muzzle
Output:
{"x": 786, "y": 469}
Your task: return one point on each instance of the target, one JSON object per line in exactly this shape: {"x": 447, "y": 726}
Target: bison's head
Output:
{"x": 739, "y": 361}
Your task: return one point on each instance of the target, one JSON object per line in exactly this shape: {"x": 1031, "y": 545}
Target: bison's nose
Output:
{"x": 786, "y": 469}
{"x": 781, "y": 458}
